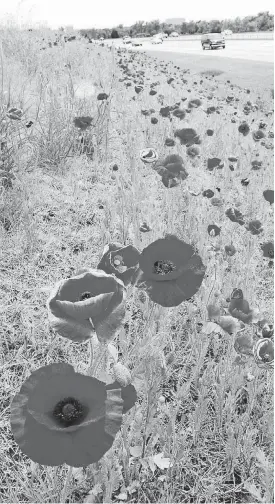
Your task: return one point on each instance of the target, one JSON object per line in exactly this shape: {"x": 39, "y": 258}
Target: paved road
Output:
{"x": 246, "y": 63}
{"x": 255, "y": 50}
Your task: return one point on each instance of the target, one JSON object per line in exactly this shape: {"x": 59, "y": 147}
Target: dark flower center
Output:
{"x": 68, "y": 411}
{"x": 163, "y": 267}
{"x": 119, "y": 264}
{"x": 85, "y": 295}
{"x": 266, "y": 357}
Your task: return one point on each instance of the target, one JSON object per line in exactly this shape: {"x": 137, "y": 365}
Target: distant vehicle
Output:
{"x": 136, "y": 43}
{"x": 227, "y": 32}
{"x": 157, "y": 40}
{"x": 127, "y": 40}
{"x": 101, "y": 39}
{"x": 212, "y": 40}
{"x": 174, "y": 34}
{"x": 161, "y": 35}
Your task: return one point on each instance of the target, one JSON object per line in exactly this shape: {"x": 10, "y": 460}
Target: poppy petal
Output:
{"x": 85, "y": 309}
{"x": 172, "y": 249}
{"x": 128, "y": 394}
{"x": 106, "y": 325}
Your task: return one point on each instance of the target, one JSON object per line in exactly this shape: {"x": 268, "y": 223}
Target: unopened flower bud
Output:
{"x": 122, "y": 374}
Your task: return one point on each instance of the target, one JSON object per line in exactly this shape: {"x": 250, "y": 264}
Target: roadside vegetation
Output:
{"x": 263, "y": 22}
{"x": 102, "y": 145}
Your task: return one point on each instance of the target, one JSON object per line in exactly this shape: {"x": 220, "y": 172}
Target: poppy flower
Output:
{"x": 193, "y": 151}
{"x": 170, "y": 271}
{"x": 256, "y": 165}
{"x": 267, "y": 330}
{"x": 244, "y": 128}
{"x": 208, "y": 193}
{"x": 217, "y": 202}
{"x": 264, "y": 353}
{"x": 146, "y": 112}
{"x": 102, "y": 96}
{"x": 148, "y": 155}
{"x": 211, "y": 110}
{"x": 144, "y": 228}
{"x": 172, "y": 170}
{"x": 83, "y": 122}
{"x": 187, "y": 136}
{"x": 269, "y": 196}
{"x": 154, "y": 120}
{"x": 194, "y": 103}
{"x": 179, "y": 113}
{"x": 210, "y": 132}
{"x": 152, "y": 92}
{"x": 213, "y": 230}
{"x": 235, "y": 216}
{"x": 60, "y": 416}
{"x": 138, "y": 89}
{"x": 91, "y": 301}
{"x": 29, "y": 124}
{"x": 120, "y": 260}
{"x": 258, "y": 135}
{"x": 15, "y": 114}
{"x": 244, "y": 344}
{"x": 268, "y": 250}
{"x": 214, "y": 163}
{"x": 164, "y": 111}
{"x": 239, "y": 307}
{"x": 255, "y": 227}
{"x": 230, "y": 250}
{"x": 169, "y": 142}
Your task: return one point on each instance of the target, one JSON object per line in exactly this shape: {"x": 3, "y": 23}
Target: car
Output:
{"x": 174, "y": 34}
{"x": 212, "y": 40}
{"x": 157, "y": 40}
{"x": 127, "y": 40}
{"x": 136, "y": 43}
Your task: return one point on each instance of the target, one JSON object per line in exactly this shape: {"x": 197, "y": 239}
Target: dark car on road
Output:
{"x": 212, "y": 40}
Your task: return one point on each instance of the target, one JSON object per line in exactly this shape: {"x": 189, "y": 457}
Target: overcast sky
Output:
{"x": 110, "y": 13}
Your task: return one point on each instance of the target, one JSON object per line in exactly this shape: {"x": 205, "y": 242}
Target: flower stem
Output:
{"x": 66, "y": 485}
{"x": 100, "y": 357}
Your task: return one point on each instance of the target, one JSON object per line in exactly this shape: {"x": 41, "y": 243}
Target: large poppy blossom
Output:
{"x": 170, "y": 271}
{"x": 60, "y": 416}
{"x": 92, "y": 301}
{"x": 120, "y": 260}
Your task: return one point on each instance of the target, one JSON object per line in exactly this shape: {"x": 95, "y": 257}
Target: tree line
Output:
{"x": 263, "y": 21}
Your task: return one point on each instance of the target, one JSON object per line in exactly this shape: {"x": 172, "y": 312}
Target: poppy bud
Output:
{"x": 122, "y": 374}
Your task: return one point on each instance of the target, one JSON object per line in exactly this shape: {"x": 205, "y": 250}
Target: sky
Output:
{"x": 110, "y": 13}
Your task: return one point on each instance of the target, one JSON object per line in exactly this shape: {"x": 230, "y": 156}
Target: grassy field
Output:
{"x": 202, "y": 428}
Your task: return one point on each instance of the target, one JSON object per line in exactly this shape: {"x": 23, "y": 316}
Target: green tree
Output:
{"x": 114, "y": 34}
